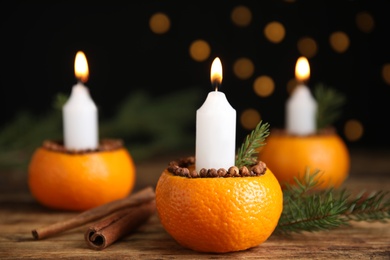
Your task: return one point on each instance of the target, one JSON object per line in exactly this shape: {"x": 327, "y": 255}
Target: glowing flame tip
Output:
{"x": 302, "y": 69}
{"x": 81, "y": 69}
{"x": 216, "y": 73}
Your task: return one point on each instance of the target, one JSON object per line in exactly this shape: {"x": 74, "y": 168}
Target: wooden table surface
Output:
{"x": 19, "y": 214}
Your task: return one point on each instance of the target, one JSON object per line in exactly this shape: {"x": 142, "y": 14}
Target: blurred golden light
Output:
{"x": 241, "y": 16}
{"x": 200, "y": 50}
{"x": 307, "y": 47}
{"x": 353, "y": 130}
{"x": 365, "y": 22}
{"x": 274, "y": 32}
{"x": 250, "y": 118}
{"x": 264, "y": 86}
{"x": 339, "y": 41}
{"x": 159, "y": 23}
{"x": 243, "y": 68}
{"x": 386, "y": 73}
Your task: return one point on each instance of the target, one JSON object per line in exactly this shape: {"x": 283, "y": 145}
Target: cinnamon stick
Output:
{"x": 105, "y": 232}
{"x": 145, "y": 195}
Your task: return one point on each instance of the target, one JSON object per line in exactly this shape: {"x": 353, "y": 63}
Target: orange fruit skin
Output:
{"x": 80, "y": 181}
{"x": 288, "y": 156}
{"x": 219, "y": 215}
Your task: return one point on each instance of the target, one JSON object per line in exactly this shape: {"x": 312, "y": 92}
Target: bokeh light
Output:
{"x": 365, "y": 22}
{"x": 307, "y": 47}
{"x": 263, "y": 86}
{"x": 386, "y": 73}
{"x": 353, "y": 130}
{"x": 243, "y": 68}
{"x": 250, "y": 118}
{"x": 339, "y": 41}
{"x": 274, "y": 32}
{"x": 200, "y": 50}
{"x": 159, "y": 23}
{"x": 241, "y": 16}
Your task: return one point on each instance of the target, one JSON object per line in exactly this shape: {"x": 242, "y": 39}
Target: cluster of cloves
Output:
{"x": 180, "y": 168}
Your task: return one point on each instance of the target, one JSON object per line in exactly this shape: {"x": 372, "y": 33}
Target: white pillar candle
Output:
{"x": 301, "y": 107}
{"x": 80, "y": 119}
{"x": 215, "y": 127}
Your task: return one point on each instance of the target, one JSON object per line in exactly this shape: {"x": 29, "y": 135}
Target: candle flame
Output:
{"x": 81, "y": 69}
{"x": 302, "y": 69}
{"x": 216, "y": 73}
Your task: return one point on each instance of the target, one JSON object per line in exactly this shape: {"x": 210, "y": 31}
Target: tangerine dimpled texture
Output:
{"x": 80, "y": 181}
{"x": 219, "y": 214}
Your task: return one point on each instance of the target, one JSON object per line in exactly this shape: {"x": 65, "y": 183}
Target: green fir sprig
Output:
{"x": 308, "y": 208}
{"x": 329, "y": 101}
{"x": 247, "y": 153}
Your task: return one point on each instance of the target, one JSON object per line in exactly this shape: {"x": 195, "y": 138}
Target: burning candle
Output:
{"x": 301, "y": 107}
{"x": 215, "y": 127}
{"x": 80, "y": 123}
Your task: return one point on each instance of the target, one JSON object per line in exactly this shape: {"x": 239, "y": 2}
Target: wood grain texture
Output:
{"x": 20, "y": 213}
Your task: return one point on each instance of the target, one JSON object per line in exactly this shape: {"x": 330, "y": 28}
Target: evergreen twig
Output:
{"x": 247, "y": 154}
{"x": 306, "y": 208}
{"x": 329, "y": 102}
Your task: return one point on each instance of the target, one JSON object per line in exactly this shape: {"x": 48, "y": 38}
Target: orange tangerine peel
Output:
{"x": 221, "y": 214}
{"x": 289, "y": 156}
{"x": 79, "y": 181}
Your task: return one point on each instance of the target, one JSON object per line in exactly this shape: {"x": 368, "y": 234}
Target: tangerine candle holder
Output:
{"x": 290, "y": 156}
{"x": 64, "y": 179}
{"x": 218, "y": 210}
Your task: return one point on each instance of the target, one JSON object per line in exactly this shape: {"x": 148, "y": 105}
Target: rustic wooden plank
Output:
{"x": 20, "y": 213}
{"x": 19, "y": 216}
{"x": 362, "y": 241}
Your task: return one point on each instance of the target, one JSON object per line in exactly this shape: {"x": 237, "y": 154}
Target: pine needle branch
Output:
{"x": 247, "y": 154}
{"x": 369, "y": 207}
{"x": 329, "y": 102}
{"x": 307, "y": 208}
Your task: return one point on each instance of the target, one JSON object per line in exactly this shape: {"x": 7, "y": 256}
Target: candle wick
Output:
{"x": 216, "y": 85}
